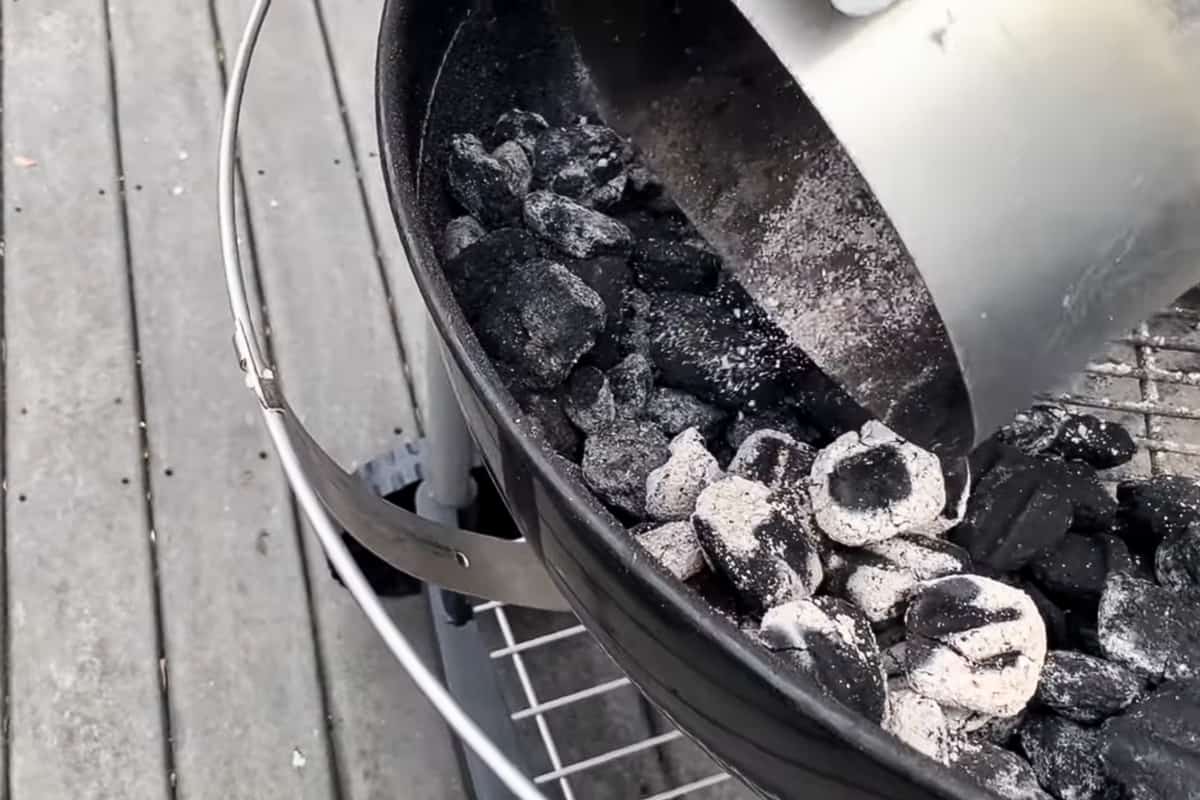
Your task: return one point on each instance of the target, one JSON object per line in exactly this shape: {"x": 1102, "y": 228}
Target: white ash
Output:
{"x": 920, "y": 723}
{"x": 672, "y": 489}
{"x": 461, "y": 233}
{"x": 676, "y": 547}
{"x": 957, "y": 481}
{"x": 974, "y": 643}
{"x": 884, "y": 510}
{"x": 880, "y": 577}
{"x": 770, "y": 555}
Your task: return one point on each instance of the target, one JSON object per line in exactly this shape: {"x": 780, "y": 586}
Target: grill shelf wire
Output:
{"x": 493, "y": 614}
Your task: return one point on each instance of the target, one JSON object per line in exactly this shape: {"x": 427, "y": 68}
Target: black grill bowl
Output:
{"x": 449, "y": 66}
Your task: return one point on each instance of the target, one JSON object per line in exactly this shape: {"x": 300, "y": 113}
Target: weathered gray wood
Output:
{"x": 86, "y": 705}
{"x": 342, "y": 368}
{"x": 246, "y": 707}
{"x": 352, "y": 27}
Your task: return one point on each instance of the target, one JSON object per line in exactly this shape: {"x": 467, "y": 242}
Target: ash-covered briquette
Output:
{"x": 517, "y": 125}
{"x": 830, "y": 641}
{"x": 585, "y": 162}
{"x": 1035, "y": 430}
{"x": 676, "y": 411}
{"x": 672, "y": 489}
{"x": 480, "y": 270}
{"x": 1001, "y": 771}
{"x": 1085, "y": 688}
{"x": 956, "y": 477}
{"x": 1065, "y": 757}
{"x": 785, "y": 420}
{"x": 880, "y": 577}
{"x": 490, "y": 186}
{"x": 712, "y": 347}
{"x": 1177, "y": 560}
{"x": 1151, "y": 630}
{"x": 588, "y": 400}
{"x": 617, "y": 460}
{"x": 871, "y": 485}
{"x": 688, "y": 265}
{"x": 774, "y": 458}
{"x": 767, "y": 552}
{"x": 632, "y": 382}
{"x": 1155, "y": 508}
{"x": 1017, "y": 510}
{"x": 919, "y": 723}
{"x": 461, "y": 233}
{"x": 1076, "y": 569}
{"x": 542, "y": 322}
{"x": 676, "y": 547}
{"x": 974, "y": 643}
{"x": 1153, "y": 750}
{"x": 1097, "y": 442}
{"x": 574, "y": 229}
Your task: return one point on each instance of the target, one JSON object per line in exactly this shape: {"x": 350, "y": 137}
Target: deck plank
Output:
{"x": 341, "y": 365}
{"x": 86, "y": 704}
{"x": 352, "y": 27}
{"x": 246, "y": 707}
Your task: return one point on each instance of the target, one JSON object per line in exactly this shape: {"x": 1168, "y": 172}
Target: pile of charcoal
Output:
{"x": 1004, "y": 614}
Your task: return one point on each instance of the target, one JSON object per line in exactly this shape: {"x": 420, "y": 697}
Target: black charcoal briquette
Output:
{"x": 1177, "y": 560}
{"x": 785, "y": 420}
{"x": 1076, "y": 569}
{"x": 576, "y": 230}
{"x": 461, "y": 233}
{"x": 830, "y": 641}
{"x": 1097, "y": 442}
{"x": 632, "y": 381}
{"x": 490, "y": 189}
{"x": 585, "y": 162}
{"x": 676, "y": 411}
{"x": 617, "y": 460}
{"x": 684, "y": 266}
{"x": 1093, "y": 509}
{"x": 1065, "y": 757}
{"x": 547, "y": 415}
{"x": 1153, "y": 749}
{"x": 1155, "y": 508}
{"x": 608, "y": 277}
{"x": 481, "y": 269}
{"x": 1151, "y": 630}
{"x": 1035, "y": 430}
{"x": 522, "y": 127}
{"x": 588, "y": 400}
{"x": 1085, "y": 688}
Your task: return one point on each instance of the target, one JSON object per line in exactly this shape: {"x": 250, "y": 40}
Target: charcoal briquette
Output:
{"x": 1076, "y": 569}
{"x": 676, "y": 547}
{"x": 880, "y": 577}
{"x": 1085, "y": 688}
{"x": 617, "y": 460}
{"x": 633, "y": 336}
{"x": 1034, "y": 431}
{"x": 1093, "y": 509}
{"x": 1155, "y": 508}
{"x": 588, "y": 400}
{"x": 1153, "y": 750}
{"x": 871, "y": 485}
{"x": 672, "y": 489}
{"x": 482, "y": 268}
{"x": 522, "y": 127}
{"x": 574, "y": 229}
{"x": 1100, "y": 443}
{"x": 1151, "y": 630}
{"x": 1065, "y": 757}
{"x": 703, "y": 345}
{"x": 608, "y": 277}
{"x": 786, "y": 420}
{"x": 919, "y": 723}
{"x": 676, "y": 411}
{"x": 766, "y": 552}
{"x": 585, "y": 162}
{"x": 956, "y": 477}
{"x": 830, "y": 641}
{"x": 1017, "y": 510}
{"x": 541, "y": 322}
{"x": 775, "y": 459}
{"x": 1058, "y": 631}
{"x": 461, "y": 233}
{"x": 684, "y": 266}
{"x": 1177, "y": 560}
{"x": 999, "y": 770}
{"x": 550, "y": 420}
{"x": 490, "y": 189}
{"x": 632, "y": 381}
{"x": 974, "y": 643}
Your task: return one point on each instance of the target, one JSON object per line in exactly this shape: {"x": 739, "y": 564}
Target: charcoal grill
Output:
{"x": 452, "y": 66}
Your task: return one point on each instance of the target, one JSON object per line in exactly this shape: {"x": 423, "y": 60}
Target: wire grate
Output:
{"x": 1149, "y": 381}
